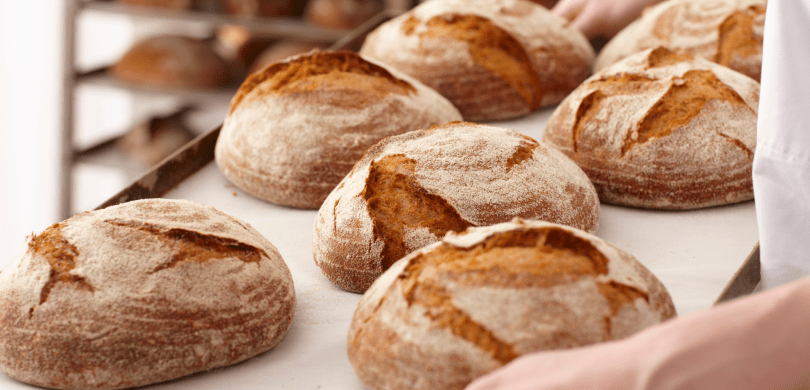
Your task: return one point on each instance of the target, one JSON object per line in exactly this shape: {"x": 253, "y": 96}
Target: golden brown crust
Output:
{"x": 297, "y": 127}
{"x": 141, "y": 293}
{"x": 492, "y": 59}
{"x": 662, "y": 130}
{"x": 728, "y": 32}
{"x": 172, "y": 61}
{"x": 477, "y": 300}
{"x": 410, "y": 190}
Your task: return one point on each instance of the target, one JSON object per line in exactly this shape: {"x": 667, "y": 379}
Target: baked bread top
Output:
{"x": 494, "y": 59}
{"x": 464, "y": 306}
{"x": 140, "y": 293}
{"x": 409, "y": 190}
{"x": 662, "y": 130}
{"x": 728, "y": 32}
{"x": 297, "y": 127}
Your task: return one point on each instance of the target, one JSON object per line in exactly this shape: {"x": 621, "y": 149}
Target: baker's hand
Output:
{"x": 605, "y": 366}
{"x": 600, "y": 17}
{"x": 751, "y": 343}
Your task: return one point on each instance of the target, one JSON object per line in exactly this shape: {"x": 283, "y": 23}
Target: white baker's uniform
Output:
{"x": 782, "y": 158}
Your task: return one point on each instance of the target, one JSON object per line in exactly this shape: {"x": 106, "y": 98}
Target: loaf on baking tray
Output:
{"x": 140, "y": 293}
{"x": 297, "y": 127}
{"x": 728, "y": 32}
{"x": 662, "y": 130}
{"x": 409, "y": 190}
{"x": 455, "y": 310}
{"x": 172, "y": 61}
{"x": 494, "y": 59}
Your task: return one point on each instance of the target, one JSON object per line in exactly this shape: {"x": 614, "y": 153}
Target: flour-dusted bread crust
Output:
{"x": 172, "y": 61}
{"x": 140, "y": 293}
{"x": 728, "y": 32}
{"x": 297, "y": 127}
{"x": 460, "y": 308}
{"x": 662, "y": 130}
{"x": 409, "y": 190}
{"x": 494, "y": 59}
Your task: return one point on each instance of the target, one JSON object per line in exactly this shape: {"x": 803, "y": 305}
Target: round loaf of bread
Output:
{"x": 460, "y": 308}
{"x": 662, "y": 130}
{"x": 494, "y": 59}
{"x": 728, "y": 32}
{"x": 140, "y": 293}
{"x": 410, "y": 190}
{"x": 172, "y": 61}
{"x": 297, "y": 127}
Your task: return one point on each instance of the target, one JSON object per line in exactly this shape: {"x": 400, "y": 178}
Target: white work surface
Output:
{"x": 693, "y": 253}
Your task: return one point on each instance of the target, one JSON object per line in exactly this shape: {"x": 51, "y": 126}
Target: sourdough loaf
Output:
{"x": 297, "y": 127}
{"x": 140, "y": 293}
{"x": 494, "y": 59}
{"x": 409, "y": 190}
{"x": 462, "y": 307}
{"x": 662, "y": 130}
{"x": 728, "y": 32}
{"x": 172, "y": 61}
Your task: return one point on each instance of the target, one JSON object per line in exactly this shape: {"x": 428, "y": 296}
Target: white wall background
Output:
{"x": 31, "y": 84}
{"x": 30, "y": 87}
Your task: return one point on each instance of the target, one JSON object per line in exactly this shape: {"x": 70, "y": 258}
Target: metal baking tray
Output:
{"x": 702, "y": 257}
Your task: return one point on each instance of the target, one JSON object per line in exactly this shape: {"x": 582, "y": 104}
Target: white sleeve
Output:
{"x": 781, "y": 170}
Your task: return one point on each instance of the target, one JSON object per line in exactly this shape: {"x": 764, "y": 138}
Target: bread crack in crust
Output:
{"x": 318, "y": 71}
{"x": 662, "y": 129}
{"x": 464, "y": 306}
{"x": 60, "y": 254}
{"x": 490, "y": 47}
{"x": 187, "y": 245}
{"x": 397, "y": 202}
{"x": 683, "y": 101}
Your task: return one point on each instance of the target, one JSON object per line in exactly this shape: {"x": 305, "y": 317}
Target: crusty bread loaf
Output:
{"x": 409, "y": 190}
{"x": 140, "y": 293}
{"x": 462, "y": 307}
{"x": 172, "y": 61}
{"x": 341, "y": 14}
{"x": 297, "y": 127}
{"x": 662, "y": 130}
{"x": 494, "y": 59}
{"x": 728, "y": 32}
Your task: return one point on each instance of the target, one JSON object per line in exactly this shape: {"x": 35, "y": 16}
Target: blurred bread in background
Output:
{"x": 172, "y": 61}
{"x": 341, "y": 14}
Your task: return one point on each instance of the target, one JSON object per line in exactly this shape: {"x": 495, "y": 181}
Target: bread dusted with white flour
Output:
{"x": 494, "y": 59}
{"x": 662, "y": 130}
{"x": 140, "y": 293}
{"x": 460, "y": 308}
{"x": 728, "y": 32}
{"x": 297, "y": 127}
{"x": 409, "y": 190}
